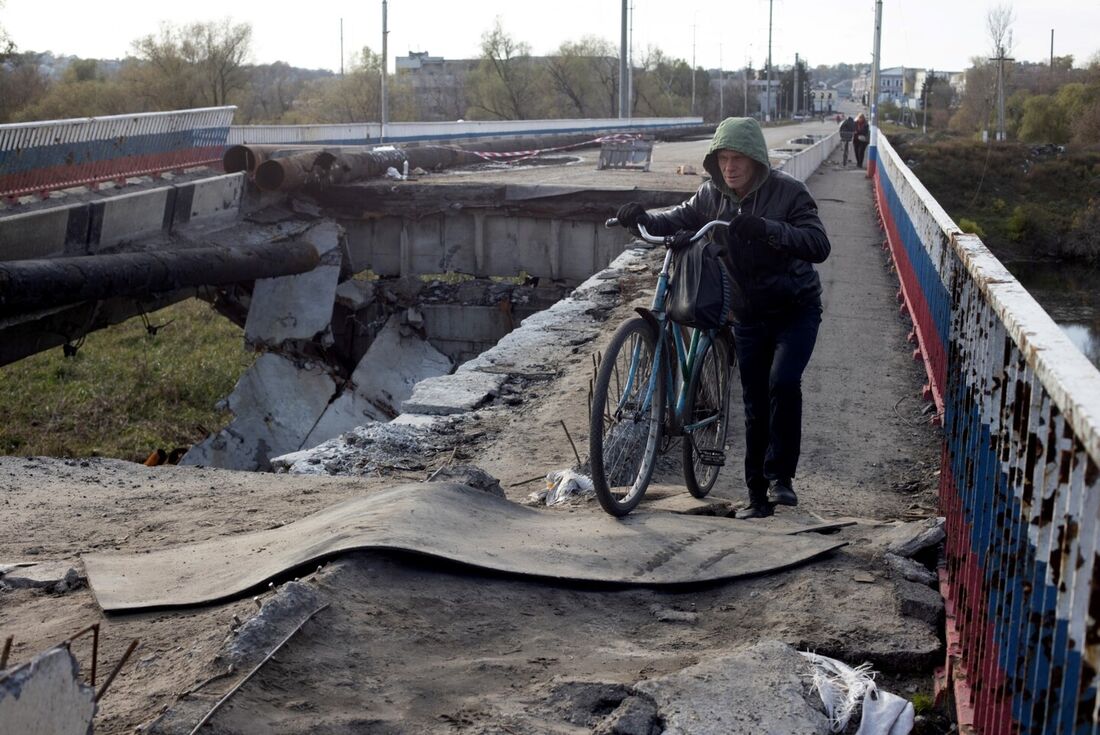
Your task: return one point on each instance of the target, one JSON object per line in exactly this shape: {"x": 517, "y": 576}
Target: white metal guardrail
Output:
{"x": 1020, "y": 484}
{"x": 411, "y": 132}
{"x": 53, "y": 154}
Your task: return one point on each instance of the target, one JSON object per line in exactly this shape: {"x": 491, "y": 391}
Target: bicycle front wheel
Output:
{"x": 625, "y": 425}
{"x": 706, "y": 418}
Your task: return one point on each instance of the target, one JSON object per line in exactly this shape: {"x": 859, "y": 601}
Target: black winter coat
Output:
{"x": 776, "y": 276}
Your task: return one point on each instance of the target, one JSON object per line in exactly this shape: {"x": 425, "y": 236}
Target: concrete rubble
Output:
{"x": 909, "y": 539}
{"x": 55, "y": 576}
{"x": 909, "y": 569}
{"x": 46, "y": 697}
{"x": 761, "y": 689}
{"x": 531, "y": 351}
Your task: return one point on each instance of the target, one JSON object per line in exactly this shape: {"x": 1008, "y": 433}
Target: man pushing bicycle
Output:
{"x": 774, "y": 238}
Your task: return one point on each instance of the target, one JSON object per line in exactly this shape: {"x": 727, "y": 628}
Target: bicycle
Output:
{"x": 639, "y": 386}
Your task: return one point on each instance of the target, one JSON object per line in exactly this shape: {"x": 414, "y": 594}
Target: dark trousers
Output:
{"x": 860, "y": 149}
{"x": 772, "y": 353}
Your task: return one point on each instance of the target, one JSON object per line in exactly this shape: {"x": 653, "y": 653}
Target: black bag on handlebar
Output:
{"x": 702, "y": 289}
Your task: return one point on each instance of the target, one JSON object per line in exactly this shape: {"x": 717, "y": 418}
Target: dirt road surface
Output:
{"x": 410, "y": 645}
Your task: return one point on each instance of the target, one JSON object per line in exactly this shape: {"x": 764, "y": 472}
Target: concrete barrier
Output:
{"x": 45, "y": 233}
{"x": 107, "y": 222}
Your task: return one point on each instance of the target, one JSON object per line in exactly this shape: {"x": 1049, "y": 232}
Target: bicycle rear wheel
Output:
{"x": 625, "y": 425}
{"x": 706, "y": 417}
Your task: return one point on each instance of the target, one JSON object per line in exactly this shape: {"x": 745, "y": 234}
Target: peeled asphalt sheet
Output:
{"x": 460, "y": 524}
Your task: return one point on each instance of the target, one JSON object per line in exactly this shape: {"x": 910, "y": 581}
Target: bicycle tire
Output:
{"x": 707, "y": 400}
{"x": 623, "y": 438}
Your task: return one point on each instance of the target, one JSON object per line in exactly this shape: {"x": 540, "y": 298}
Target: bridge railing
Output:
{"x": 1019, "y": 485}
{"x": 802, "y": 164}
{"x": 42, "y": 156}
{"x": 412, "y": 132}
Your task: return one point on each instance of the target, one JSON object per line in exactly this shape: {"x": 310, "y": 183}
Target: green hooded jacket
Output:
{"x": 741, "y": 134}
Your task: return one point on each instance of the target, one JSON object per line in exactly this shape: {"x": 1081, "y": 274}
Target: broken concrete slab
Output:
{"x": 383, "y": 380}
{"x": 908, "y": 569}
{"x": 376, "y": 446}
{"x": 58, "y": 576}
{"x": 761, "y": 689}
{"x": 450, "y": 394}
{"x": 909, "y": 539}
{"x": 300, "y": 306}
{"x": 278, "y": 616}
{"x": 394, "y": 364}
{"x": 684, "y": 502}
{"x": 633, "y": 716}
{"x": 355, "y": 294}
{"x": 275, "y": 404}
{"x": 918, "y": 601}
{"x": 47, "y": 697}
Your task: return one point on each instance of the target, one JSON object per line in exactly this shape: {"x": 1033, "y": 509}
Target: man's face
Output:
{"x": 737, "y": 170}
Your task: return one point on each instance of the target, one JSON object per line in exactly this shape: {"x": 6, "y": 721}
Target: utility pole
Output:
{"x": 768, "y": 106}
{"x": 1000, "y": 58}
{"x": 721, "y": 87}
{"x": 928, "y": 77}
{"x": 872, "y": 148}
{"x": 341, "y": 47}
{"x": 797, "y": 96}
{"x": 624, "y": 101}
{"x": 630, "y": 68}
{"x": 693, "y": 66}
{"x": 745, "y": 90}
{"x": 385, "y": 62}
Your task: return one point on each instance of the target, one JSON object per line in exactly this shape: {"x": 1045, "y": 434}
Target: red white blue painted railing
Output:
{"x": 1020, "y": 485}
{"x": 42, "y": 156}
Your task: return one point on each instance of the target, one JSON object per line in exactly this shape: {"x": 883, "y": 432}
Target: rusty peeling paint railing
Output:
{"x": 1019, "y": 485}
{"x": 43, "y": 156}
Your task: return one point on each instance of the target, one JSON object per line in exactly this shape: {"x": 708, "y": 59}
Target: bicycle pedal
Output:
{"x": 711, "y": 457}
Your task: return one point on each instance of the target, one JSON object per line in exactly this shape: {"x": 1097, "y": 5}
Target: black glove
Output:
{"x": 749, "y": 228}
{"x": 680, "y": 240}
{"x": 631, "y": 215}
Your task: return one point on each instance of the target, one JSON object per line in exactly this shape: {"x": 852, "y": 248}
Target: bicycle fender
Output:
{"x": 649, "y": 318}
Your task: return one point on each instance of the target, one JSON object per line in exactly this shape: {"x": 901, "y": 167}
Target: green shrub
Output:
{"x": 126, "y": 392}
{"x": 1017, "y": 224}
{"x": 969, "y": 225}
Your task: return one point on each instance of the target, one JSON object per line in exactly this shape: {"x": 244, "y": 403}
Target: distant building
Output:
{"x": 437, "y": 84}
{"x": 822, "y": 98}
{"x": 760, "y": 87}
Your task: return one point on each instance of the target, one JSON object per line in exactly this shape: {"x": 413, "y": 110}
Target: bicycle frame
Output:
{"x": 668, "y": 331}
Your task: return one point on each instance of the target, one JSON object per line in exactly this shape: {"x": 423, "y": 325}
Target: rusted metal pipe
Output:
{"x": 248, "y": 157}
{"x": 29, "y": 284}
{"x": 342, "y": 165}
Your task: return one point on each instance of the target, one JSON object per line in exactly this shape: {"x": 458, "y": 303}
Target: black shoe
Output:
{"x": 781, "y": 493}
{"x": 755, "y": 510}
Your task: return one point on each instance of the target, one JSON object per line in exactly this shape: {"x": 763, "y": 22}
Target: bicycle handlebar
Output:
{"x": 666, "y": 240}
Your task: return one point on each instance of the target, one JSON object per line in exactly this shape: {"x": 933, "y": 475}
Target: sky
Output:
{"x": 939, "y": 34}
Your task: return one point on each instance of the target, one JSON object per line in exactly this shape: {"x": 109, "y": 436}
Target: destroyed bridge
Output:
{"x": 326, "y": 243}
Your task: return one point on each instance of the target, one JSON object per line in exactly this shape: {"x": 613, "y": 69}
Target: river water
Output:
{"x": 1070, "y": 294}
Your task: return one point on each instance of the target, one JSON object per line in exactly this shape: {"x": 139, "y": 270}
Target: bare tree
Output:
{"x": 198, "y": 64}
{"x": 7, "y": 45}
{"x": 506, "y": 83}
{"x": 999, "y": 21}
{"x": 585, "y": 75}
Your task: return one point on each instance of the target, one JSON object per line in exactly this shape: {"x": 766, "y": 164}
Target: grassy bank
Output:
{"x": 1024, "y": 201}
{"x": 126, "y": 392}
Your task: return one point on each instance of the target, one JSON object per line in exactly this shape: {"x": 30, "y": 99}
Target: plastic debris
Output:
{"x": 564, "y": 485}
{"x": 846, "y": 691}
